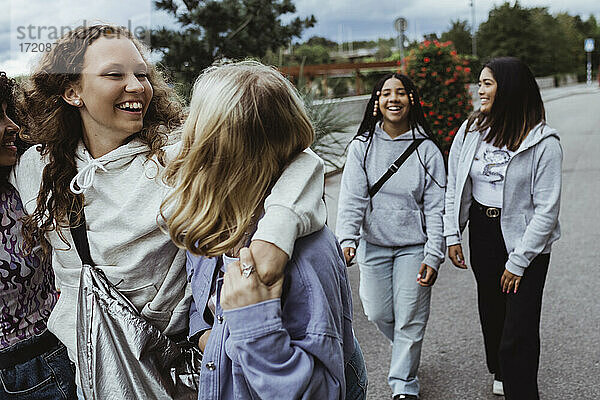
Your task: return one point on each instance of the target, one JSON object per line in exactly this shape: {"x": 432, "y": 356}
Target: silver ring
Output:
{"x": 247, "y": 269}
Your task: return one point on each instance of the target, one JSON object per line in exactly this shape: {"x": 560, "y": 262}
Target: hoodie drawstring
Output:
{"x": 85, "y": 177}
{"x": 533, "y": 171}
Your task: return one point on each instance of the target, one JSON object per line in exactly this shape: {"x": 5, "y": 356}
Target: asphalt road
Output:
{"x": 452, "y": 362}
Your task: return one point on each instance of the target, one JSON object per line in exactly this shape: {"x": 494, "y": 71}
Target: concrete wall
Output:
{"x": 353, "y": 107}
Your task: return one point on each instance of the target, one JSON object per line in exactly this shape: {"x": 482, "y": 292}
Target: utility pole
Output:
{"x": 400, "y": 24}
{"x": 473, "y": 38}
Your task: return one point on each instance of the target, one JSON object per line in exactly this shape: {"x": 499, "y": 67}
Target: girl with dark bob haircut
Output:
{"x": 504, "y": 179}
{"x": 395, "y": 233}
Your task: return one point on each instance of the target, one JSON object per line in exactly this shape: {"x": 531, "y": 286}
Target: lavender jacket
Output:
{"x": 289, "y": 348}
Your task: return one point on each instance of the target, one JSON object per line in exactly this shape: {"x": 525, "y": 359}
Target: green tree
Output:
{"x": 460, "y": 35}
{"x": 513, "y": 31}
{"x": 549, "y": 44}
{"x": 214, "y": 29}
{"x": 312, "y": 54}
{"x": 442, "y": 77}
{"x": 361, "y": 44}
{"x": 559, "y": 39}
{"x": 588, "y": 29}
{"x": 384, "y": 49}
{"x": 321, "y": 41}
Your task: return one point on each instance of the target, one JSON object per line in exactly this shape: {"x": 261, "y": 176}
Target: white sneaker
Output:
{"x": 498, "y": 388}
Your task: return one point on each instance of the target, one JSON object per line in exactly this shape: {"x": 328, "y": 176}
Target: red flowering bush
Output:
{"x": 442, "y": 78}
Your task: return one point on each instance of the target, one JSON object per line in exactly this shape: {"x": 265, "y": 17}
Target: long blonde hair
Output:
{"x": 246, "y": 122}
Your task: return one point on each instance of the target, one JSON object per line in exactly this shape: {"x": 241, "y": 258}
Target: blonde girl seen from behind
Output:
{"x": 246, "y": 124}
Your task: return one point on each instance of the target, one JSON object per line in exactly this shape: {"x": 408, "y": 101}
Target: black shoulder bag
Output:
{"x": 395, "y": 166}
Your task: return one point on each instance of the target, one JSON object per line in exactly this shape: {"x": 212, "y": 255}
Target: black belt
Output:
{"x": 38, "y": 346}
{"x": 490, "y": 212}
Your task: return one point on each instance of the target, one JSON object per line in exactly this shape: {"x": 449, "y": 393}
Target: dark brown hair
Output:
{"x": 517, "y": 107}
{"x": 7, "y": 86}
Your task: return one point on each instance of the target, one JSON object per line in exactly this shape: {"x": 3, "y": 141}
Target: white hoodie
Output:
{"x": 123, "y": 193}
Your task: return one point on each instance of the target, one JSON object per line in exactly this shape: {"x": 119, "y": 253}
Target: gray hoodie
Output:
{"x": 123, "y": 195}
{"x": 408, "y": 208}
{"x": 531, "y": 199}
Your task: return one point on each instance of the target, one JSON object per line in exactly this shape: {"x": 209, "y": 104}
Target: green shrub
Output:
{"x": 442, "y": 77}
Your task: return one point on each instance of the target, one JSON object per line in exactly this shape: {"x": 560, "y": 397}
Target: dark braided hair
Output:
{"x": 416, "y": 116}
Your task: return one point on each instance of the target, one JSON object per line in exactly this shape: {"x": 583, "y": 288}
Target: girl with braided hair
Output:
{"x": 398, "y": 229}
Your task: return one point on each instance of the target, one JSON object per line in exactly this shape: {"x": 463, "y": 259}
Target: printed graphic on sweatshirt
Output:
{"x": 496, "y": 159}
{"x": 27, "y": 293}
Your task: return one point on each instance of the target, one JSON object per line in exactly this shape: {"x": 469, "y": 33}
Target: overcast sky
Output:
{"x": 368, "y": 19}
{"x": 336, "y": 19}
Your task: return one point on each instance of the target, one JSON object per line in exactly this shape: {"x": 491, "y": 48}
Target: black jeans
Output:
{"x": 510, "y": 322}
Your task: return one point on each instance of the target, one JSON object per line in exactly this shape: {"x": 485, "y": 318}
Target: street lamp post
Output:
{"x": 400, "y": 24}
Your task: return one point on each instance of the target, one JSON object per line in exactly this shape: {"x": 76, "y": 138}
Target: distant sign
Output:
{"x": 589, "y": 45}
{"x": 400, "y": 24}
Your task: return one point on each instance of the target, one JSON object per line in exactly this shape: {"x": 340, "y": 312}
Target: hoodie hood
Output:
{"x": 87, "y": 166}
{"x": 408, "y": 135}
{"x": 539, "y": 132}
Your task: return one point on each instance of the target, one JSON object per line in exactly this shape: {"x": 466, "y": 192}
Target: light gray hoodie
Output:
{"x": 122, "y": 199}
{"x": 408, "y": 208}
{"x": 531, "y": 200}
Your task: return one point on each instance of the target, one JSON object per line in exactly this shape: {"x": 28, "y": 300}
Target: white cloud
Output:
{"x": 39, "y": 21}
{"x": 373, "y": 19}
{"x": 21, "y": 64}
{"x": 336, "y": 19}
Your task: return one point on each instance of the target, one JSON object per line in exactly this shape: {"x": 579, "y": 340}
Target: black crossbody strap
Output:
{"x": 80, "y": 239}
{"x": 395, "y": 166}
